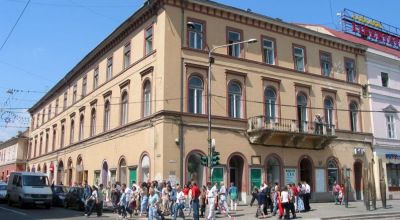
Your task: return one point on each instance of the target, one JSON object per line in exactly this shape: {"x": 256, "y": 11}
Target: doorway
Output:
{"x": 302, "y": 112}
{"x": 306, "y": 171}
{"x": 104, "y": 174}
{"x": 357, "y": 179}
{"x": 236, "y": 170}
{"x": 195, "y": 171}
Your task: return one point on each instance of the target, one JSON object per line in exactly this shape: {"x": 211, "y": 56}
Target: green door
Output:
{"x": 132, "y": 176}
{"x": 217, "y": 175}
{"x": 255, "y": 178}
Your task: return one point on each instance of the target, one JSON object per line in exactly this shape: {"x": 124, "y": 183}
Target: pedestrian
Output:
{"x": 115, "y": 198}
{"x": 300, "y": 198}
{"x": 172, "y": 198}
{"x": 307, "y": 196}
{"x": 122, "y": 203}
{"x": 195, "y": 200}
{"x": 261, "y": 203}
{"x": 92, "y": 201}
{"x": 186, "y": 193}
{"x": 154, "y": 200}
{"x": 254, "y": 195}
{"x": 101, "y": 196}
{"x": 88, "y": 203}
{"x": 180, "y": 204}
{"x": 222, "y": 196}
{"x": 165, "y": 199}
{"x": 86, "y": 191}
{"x": 212, "y": 200}
{"x": 275, "y": 199}
{"x": 295, "y": 192}
{"x": 342, "y": 194}
{"x": 233, "y": 195}
{"x": 133, "y": 204}
{"x": 190, "y": 199}
{"x": 203, "y": 201}
{"x": 144, "y": 199}
{"x": 285, "y": 198}
{"x": 292, "y": 200}
{"x": 335, "y": 192}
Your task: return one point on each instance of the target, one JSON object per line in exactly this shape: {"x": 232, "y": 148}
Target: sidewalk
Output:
{"x": 323, "y": 211}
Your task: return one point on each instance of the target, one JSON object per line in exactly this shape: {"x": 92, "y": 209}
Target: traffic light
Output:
{"x": 214, "y": 158}
{"x": 204, "y": 161}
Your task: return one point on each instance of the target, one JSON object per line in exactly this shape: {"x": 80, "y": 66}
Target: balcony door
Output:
{"x": 302, "y": 112}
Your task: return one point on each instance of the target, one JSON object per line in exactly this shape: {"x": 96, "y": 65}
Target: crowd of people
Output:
{"x": 282, "y": 201}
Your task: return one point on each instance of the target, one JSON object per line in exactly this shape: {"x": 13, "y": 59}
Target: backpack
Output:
{"x": 234, "y": 193}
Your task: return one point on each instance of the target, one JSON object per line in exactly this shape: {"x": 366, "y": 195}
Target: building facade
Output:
{"x": 135, "y": 108}
{"x": 13, "y": 153}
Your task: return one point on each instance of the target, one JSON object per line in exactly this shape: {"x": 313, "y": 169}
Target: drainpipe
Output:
{"x": 181, "y": 144}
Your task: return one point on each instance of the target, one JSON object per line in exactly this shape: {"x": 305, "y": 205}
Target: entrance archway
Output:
{"x": 273, "y": 169}
{"x": 357, "y": 179}
{"x": 104, "y": 173}
{"x": 69, "y": 174}
{"x": 237, "y": 174}
{"x": 306, "y": 171}
{"x": 79, "y": 170}
{"x": 60, "y": 172}
{"x": 195, "y": 171}
{"x": 145, "y": 168}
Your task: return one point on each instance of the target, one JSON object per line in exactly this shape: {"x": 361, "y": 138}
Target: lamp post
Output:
{"x": 210, "y": 62}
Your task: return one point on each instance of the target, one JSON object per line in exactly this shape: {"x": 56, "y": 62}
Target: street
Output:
{"x": 326, "y": 211}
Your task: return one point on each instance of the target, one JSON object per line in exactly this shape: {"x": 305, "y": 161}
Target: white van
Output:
{"x": 29, "y": 188}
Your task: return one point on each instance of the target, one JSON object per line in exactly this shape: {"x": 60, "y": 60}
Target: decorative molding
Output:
{"x": 82, "y": 109}
{"x": 270, "y": 79}
{"x": 94, "y": 102}
{"x": 302, "y": 85}
{"x": 125, "y": 83}
{"x": 146, "y": 71}
{"x": 198, "y": 66}
{"x": 72, "y": 115}
{"x": 323, "y": 89}
{"x": 232, "y": 72}
{"x": 108, "y": 93}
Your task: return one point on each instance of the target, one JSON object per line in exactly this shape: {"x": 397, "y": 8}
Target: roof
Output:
{"x": 354, "y": 39}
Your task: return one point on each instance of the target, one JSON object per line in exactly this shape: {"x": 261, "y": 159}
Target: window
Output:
{"x": 333, "y": 174}
{"x": 269, "y": 51}
{"x": 107, "y": 116}
{"x": 235, "y": 100}
{"x": 196, "y": 36}
{"x": 62, "y": 138}
{"x": 393, "y": 176}
{"x": 81, "y": 127}
{"x": 84, "y": 86}
{"x": 234, "y": 50}
{"x": 127, "y": 55}
{"x": 299, "y": 59}
{"x": 34, "y": 151}
{"x": 72, "y": 131}
{"x": 390, "y": 124}
{"x": 53, "y": 143}
{"x": 302, "y": 112}
{"x": 124, "y": 108}
{"x": 56, "y": 109}
{"x": 385, "y": 79}
{"x": 147, "y": 99}
{"x": 109, "y": 68}
{"x": 49, "y": 113}
{"x": 270, "y": 104}
{"x": 65, "y": 100}
{"x": 46, "y": 148}
{"x": 93, "y": 122}
{"x": 37, "y": 118}
{"x": 148, "y": 40}
{"x": 43, "y": 115}
{"x": 353, "y": 116}
{"x": 350, "y": 71}
{"x": 74, "y": 93}
{"x": 33, "y": 122}
{"x": 328, "y": 110}
{"x": 40, "y": 145}
{"x": 326, "y": 63}
{"x": 96, "y": 78}
{"x": 196, "y": 90}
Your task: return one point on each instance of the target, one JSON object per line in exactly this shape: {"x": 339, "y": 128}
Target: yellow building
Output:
{"x": 135, "y": 108}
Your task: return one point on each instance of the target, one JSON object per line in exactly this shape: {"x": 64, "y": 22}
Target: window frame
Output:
{"x": 93, "y": 119}
{"x": 84, "y": 86}
{"x": 354, "y": 126}
{"x": 146, "y": 105}
{"x": 321, "y": 61}
{"x": 294, "y": 46}
{"x": 390, "y": 121}
{"x": 267, "y": 105}
{"x": 96, "y": 78}
{"x": 107, "y": 116}
{"x": 127, "y": 56}
{"x": 326, "y": 111}
{"x": 65, "y": 101}
{"x": 109, "y": 68}
{"x": 148, "y": 40}
{"x": 72, "y": 131}
{"x": 62, "y": 136}
{"x": 196, "y": 95}
{"x": 355, "y": 79}
{"x": 74, "y": 93}
{"x": 241, "y": 107}
{"x": 203, "y": 34}
{"x": 274, "y": 49}
{"x": 81, "y": 127}
{"x": 124, "y": 114}
{"x": 386, "y": 85}
{"x": 241, "y": 46}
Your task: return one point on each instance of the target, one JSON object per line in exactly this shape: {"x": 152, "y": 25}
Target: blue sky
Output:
{"x": 53, "y": 35}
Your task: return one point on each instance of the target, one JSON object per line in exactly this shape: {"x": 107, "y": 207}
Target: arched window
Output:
{"x": 93, "y": 122}
{"x": 235, "y": 100}
{"x": 333, "y": 173}
{"x": 62, "y": 138}
{"x": 270, "y": 104}
{"x": 328, "y": 108}
{"x": 146, "y": 99}
{"x": 53, "y": 143}
{"x": 124, "y": 108}
{"x": 302, "y": 112}
{"x": 353, "y": 116}
{"x": 145, "y": 168}
{"x": 71, "y": 132}
{"x": 107, "y": 116}
{"x": 196, "y": 90}
{"x": 46, "y": 148}
{"x": 122, "y": 171}
{"x": 81, "y": 127}
{"x": 273, "y": 170}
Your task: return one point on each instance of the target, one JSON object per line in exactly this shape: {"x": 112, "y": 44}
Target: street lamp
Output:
{"x": 210, "y": 62}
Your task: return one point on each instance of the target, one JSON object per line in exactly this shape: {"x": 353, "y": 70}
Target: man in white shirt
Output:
{"x": 222, "y": 197}
{"x": 307, "y": 196}
{"x": 212, "y": 195}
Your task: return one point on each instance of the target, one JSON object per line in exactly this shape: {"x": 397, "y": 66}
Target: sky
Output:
{"x": 52, "y": 36}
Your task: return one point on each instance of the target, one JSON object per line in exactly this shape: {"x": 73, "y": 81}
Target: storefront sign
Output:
{"x": 392, "y": 156}
{"x": 370, "y": 29}
{"x": 290, "y": 175}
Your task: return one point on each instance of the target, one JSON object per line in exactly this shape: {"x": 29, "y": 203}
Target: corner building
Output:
{"x": 135, "y": 108}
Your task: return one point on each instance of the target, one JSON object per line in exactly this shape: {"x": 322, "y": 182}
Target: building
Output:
{"x": 13, "y": 153}
{"x": 383, "y": 71}
{"x": 135, "y": 107}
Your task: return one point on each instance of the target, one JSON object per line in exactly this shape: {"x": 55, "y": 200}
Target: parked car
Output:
{"x": 74, "y": 198}
{"x": 59, "y": 193}
{"x": 27, "y": 188}
{"x": 3, "y": 191}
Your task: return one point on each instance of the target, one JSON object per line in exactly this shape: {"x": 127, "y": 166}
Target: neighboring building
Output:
{"x": 135, "y": 107}
{"x": 383, "y": 70}
{"x": 13, "y": 154}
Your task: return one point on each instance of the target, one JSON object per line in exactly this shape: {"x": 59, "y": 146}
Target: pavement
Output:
{"x": 323, "y": 211}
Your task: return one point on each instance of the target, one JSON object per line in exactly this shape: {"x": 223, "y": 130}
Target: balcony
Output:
{"x": 289, "y": 133}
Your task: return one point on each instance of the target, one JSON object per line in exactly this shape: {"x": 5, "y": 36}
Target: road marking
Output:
{"x": 16, "y": 212}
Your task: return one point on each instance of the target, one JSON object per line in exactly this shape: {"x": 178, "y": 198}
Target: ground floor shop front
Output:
{"x": 388, "y": 161}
